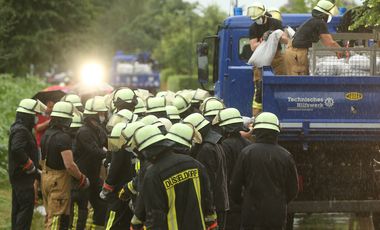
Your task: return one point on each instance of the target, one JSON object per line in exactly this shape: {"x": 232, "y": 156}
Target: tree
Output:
{"x": 40, "y": 32}
{"x": 368, "y": 15}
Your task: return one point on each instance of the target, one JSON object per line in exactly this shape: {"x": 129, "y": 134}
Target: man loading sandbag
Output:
{"x": 258, "y": 32}
{"x": 311, "y": 31}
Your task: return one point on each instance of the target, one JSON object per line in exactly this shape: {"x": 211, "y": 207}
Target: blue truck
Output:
{"x": 135, "y": 71}
{"x": 331, "y": 124}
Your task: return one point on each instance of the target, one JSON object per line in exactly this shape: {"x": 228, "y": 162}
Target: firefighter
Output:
{"x": 175, "y": 188}
{"x": 156, "y": 106}
{"x": 22, "y": 162}
{"x": 129, "y": 193}
{"x": 123, "y": 115}
{"x": 263, "y": 25}
{"x": 210, "y": 109}
{"x": 210, "y": 153}
{"x": 183, "y": 105}
{"x": 197, "y": 98}
{"x": 120, "y": 172}
{"x": 172, "y": 114}
{"x": 231, "y": 123}
{"x": 183, "y": 135}
{"x": 75, "y": 100}
{"x": 89, "y": 153}
{"x": 268, "y": 174}
{"x": 59, "y": 167}
{"x": 140, "y": 108}
{"x": 124, "y": 98}
{"x": 311, "y": 31}
{"x": 76, "y": 123}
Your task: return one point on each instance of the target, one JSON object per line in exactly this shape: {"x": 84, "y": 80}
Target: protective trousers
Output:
{"x": 22, "y": 207}
{"x": 296, "y": 61}
{"x": 80, "y": 207}
{"x": 278, "y": 66}
{"x": 56, "y": 186}
{"x": 222, "y": 216}
{"x": 119, "y": 214}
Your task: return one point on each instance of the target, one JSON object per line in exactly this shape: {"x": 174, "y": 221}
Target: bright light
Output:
{"x": 92, "y": 74}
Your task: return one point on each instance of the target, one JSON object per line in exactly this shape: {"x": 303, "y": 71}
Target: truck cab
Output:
{"x": 331, "y": 124}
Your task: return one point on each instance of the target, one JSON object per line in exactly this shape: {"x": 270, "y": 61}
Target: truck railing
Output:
{"x": 356, "y": 61}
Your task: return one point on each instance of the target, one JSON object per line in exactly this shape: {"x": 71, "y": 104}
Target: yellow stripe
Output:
{"x": 55, "y": 223}
{"x": 75, "y": 218}
{"x": 198, "y": 192}
{"x": 172, "y": 215}
{"x": 110, "y": 220}
{"x": 137, "y": 165}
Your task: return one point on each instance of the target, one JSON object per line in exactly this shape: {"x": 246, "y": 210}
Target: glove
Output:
{"x": 266, "y": 35}
{"x": 84, "y": 182}
{"x": 211, "y": 222}
{"x": 106, "y": 190}
{"x": 136, "y": 224}
{"x": 29, "y": 167}
{"x": 127, "y": 192}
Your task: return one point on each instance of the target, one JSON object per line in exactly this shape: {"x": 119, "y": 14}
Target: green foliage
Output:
{"x": 306, "y": 6}
{"x": 179, "y": 82}
{"x": 12, "y": 90}
{"x": 368, "y": 14}
{"x": 40, "y": 32}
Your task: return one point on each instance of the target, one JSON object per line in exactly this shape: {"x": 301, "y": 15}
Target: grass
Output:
{"x": 6, "y": 207}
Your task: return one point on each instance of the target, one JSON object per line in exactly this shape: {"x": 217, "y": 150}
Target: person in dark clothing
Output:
{"x": 183, "y": 105}
{"x": 210, "y": 153}
{"x": 209, "y": 108}
{"x": 311, "y": 31}
{"x": 120, "y": 172}
{"x": 175, "y": 188}
{"x": 231, "y": 123}
{"x": 124, "y": 98}
{"x": 22, "y": 161}
{"x": 58, "y": 167}
{"x": 89, "y": 153}
{"x": 268, "y": 174}
{"x": 259, "y": 31}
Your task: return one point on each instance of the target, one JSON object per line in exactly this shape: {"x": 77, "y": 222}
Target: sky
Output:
{"x": 225, "y": 5}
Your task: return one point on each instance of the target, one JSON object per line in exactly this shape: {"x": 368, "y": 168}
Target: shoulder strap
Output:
{"x": 45, "y": 148}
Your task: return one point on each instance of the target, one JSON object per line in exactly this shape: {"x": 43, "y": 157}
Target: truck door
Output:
{"x": 238, "y": 82}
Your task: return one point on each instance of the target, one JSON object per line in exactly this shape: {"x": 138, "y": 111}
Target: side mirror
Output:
{"x": 202, "y": 61}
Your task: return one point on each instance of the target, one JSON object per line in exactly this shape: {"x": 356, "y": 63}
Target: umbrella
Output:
{"x": 52, "y": 93}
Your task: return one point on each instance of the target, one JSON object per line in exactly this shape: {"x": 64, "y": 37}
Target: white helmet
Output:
{"x": 266, "y": 120}
{"x": 147, "y": 136}
{"x": 95, "y": 105}
{"x": 256, "y": 11}
{"x": 63, "y": 109}
{"x": 197, "y": 120}
{"x": 115, "y": 139}
{"x": 228, "y": 116}
{"x": 184, "y": 134}
{"x": 73, "y": 98}
{"x": 327, "y": 7}
{"x": 30, "y": 106}
{"x": 77, "y": 120}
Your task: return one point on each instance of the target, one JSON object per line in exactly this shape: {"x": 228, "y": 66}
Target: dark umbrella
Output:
{"x": 53, "y": 93}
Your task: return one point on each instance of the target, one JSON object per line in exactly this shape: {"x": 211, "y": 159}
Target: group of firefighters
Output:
{"x": 294, "y": 60}
{"x": 166, "y": 161}
{"x": 172, "y": 161}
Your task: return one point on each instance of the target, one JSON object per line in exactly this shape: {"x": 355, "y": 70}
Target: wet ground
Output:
{"x": 328, "y": 221}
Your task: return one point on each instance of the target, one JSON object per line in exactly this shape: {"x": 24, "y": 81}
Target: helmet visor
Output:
{"x": 115, "y": 143}
{"x": 115, "y": 119}
{"x": 255, "y": 12}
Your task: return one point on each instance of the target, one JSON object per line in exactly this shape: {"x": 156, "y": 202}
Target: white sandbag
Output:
{"x": 326, "y": 69}
{"x": 342, "y": 68}
{"x": 266, "y": 51}
{"x": 359, "y": 62}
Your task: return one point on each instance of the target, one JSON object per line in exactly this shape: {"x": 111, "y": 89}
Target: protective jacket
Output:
{"x": 210, "y": 153}
{"x": 268, "y": 174}
{"x": 121, "y": 170}
{"x": 22, "y": 146}
{"x": 176, "y": 193}
{"x": 88, "y": 150}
